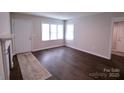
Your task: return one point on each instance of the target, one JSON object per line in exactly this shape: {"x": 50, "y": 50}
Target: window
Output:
{"x": 45, "y": 32}
{"x": 53, "y": 33}
{"x": 60, "y": 32}
{"x": 70, "y": 32}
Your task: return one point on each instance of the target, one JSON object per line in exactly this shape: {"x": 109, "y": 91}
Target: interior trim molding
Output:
{"x": 46, "y": 48}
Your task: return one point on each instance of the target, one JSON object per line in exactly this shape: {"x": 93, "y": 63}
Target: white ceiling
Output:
{"x": 61, "y": 15}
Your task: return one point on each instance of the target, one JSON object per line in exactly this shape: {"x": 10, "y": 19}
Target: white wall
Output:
{"x": 93, "y": 34}
{"x": 4, "y": 29}
{"x": 1, "y": 65}
{"x": 37, "y": 43}
{"x": 4, "y": 23}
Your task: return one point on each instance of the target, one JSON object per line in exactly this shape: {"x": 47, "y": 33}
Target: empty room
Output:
{"x": 61, "y": 45}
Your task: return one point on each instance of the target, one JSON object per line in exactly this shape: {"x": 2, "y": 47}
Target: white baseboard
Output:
{"x": 102, "y": 56}
{"x": 46, "y": 48}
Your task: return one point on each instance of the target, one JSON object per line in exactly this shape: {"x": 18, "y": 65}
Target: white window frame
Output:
{"x": 50, "y": 31}
{"x": 72, "y": 37}
{"x": 62, "y": 32}
{"x": 42, "y": 31}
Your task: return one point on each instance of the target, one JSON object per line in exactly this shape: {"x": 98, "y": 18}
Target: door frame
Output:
{"x": 114, "y": 19}
{"x": 13, "y": 32}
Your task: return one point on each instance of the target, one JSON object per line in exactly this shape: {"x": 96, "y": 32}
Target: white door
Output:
{"x": 22, "y": 35}
{"x": 120, "y": 38}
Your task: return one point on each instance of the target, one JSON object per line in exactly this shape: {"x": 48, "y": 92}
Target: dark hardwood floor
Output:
{"x": 15, "y": 72}
{"x": 69, "y": 64}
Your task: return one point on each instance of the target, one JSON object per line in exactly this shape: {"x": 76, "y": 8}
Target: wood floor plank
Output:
{"x": 65, "y": 63}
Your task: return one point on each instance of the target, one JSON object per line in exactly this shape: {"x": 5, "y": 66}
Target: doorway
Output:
{"x": 118, "y": 38}
{"x": 22, "y": 35}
